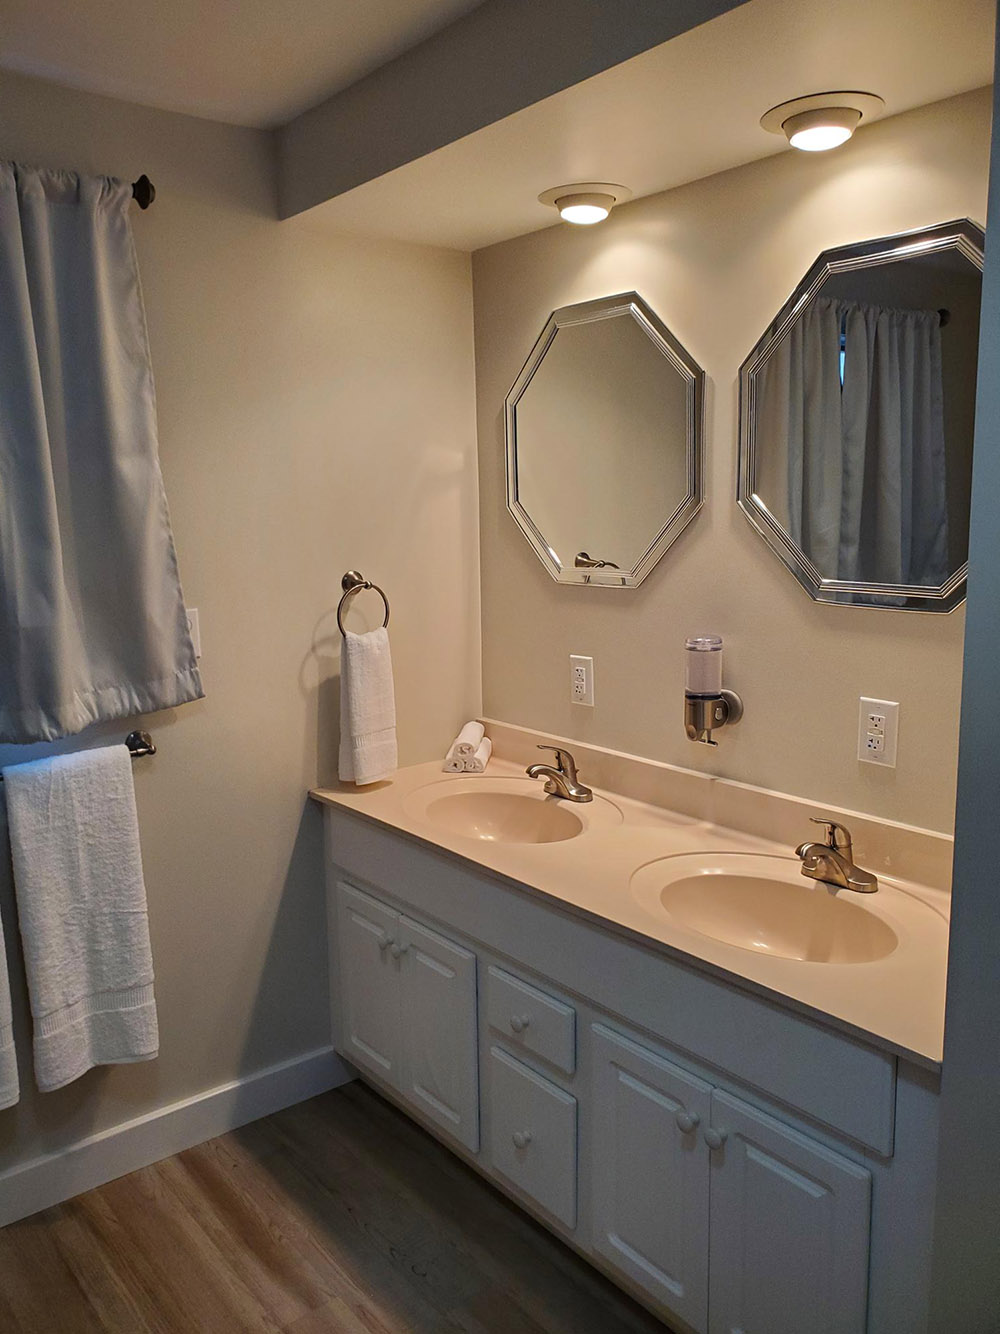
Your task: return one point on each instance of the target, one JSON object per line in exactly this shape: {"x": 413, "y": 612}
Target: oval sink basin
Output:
{"x": 763, "y": 903}
{"x": 505, "y": 810}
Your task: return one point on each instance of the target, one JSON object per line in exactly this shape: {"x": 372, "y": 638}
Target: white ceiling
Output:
{"x": 250, "y": 62}
{"x": 676, "y": 113}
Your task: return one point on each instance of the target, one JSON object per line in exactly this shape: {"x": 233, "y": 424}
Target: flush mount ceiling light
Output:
{"x": 586, "y": 202}
{"x": 822, "y": 120}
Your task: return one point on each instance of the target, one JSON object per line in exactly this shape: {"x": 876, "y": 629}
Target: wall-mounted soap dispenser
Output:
{"x": 707, "y": 705}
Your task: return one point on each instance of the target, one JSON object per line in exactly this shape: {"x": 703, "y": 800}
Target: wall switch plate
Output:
{"x": 581, "y": 680}
{"x": 194, "y": 629}
{"x": 878, "y": 729}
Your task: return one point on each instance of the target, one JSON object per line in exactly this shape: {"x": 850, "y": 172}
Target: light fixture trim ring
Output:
{"x": 868, "y": 105}
{"x": 621, "y": 194}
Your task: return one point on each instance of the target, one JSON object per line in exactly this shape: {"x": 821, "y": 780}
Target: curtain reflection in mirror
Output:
{"x": 851, "y": 405}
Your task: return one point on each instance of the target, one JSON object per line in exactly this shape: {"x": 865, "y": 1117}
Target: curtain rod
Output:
{"x": 143, "y": 191}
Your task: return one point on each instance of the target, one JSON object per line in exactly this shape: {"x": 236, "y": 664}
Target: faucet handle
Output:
{"x": 838, "y": 836}
{"x": 564, "y": 761}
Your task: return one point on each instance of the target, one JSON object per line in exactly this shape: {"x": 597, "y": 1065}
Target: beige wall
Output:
{"x": 316, "y": 412}
{"x": 715, "y": 260}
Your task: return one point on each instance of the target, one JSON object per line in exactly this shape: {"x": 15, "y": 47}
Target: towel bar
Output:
{"x": 138, "y": 743}
{"x": 355, "y": 582}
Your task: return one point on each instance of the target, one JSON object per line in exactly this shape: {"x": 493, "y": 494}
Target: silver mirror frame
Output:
{"x": 632, "y": 306}
{"x": 962, "y": 235}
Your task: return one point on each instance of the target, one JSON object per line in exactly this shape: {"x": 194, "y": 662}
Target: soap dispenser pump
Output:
{"x": 707, "y": 705}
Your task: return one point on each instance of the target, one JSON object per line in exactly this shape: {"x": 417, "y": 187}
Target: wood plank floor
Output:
{"x": 336, "y": 1215}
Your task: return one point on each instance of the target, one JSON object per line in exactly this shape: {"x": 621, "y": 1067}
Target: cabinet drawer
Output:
{"x": 533, "y": 1135}
{"x": 529, "y": 1019}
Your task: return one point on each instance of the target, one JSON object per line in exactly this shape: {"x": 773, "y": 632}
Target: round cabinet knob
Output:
{"x": 384, "y": 940}
{"x": 715, "y": 1138}
{"x": 686, "y": 1121}
{"x": 519, "y": 1022}
{"x": 396, "y": 949}
{"x": 521, "y": 1138}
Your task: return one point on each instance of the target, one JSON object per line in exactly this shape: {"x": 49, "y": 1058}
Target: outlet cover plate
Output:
{"x": 878, "y": 731}
{"x": 194, "y": 629}
{"x": 581, "y": 680}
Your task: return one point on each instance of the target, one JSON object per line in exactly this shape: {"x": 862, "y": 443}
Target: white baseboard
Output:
{"x": 90, "y": 1162}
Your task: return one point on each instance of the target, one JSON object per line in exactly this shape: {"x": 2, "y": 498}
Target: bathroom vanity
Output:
{"x": 741, "y": 1133}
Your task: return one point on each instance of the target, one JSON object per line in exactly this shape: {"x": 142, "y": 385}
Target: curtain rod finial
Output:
{"x": 143, "y": 191}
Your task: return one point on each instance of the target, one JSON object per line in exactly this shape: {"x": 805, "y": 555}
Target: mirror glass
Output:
{"x": 857, "y": 410}
{"x": 604, "y": 442}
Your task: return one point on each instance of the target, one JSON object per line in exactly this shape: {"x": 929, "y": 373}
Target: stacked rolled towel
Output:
{"x": 470, "y": 752}
{"x": 476, "y": 764}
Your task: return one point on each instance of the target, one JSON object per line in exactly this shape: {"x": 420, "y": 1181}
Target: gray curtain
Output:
{"x": 92, "y": 621}
{"x": 858, "y": 469}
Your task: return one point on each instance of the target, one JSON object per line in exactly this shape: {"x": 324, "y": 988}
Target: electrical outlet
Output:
{"x": 581, "y": 680}
{"x": 878, "y": 730}
{"x": 194, "y": 629}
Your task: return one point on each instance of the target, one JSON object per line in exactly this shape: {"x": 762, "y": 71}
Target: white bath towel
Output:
{"x": 9, "y": 1087}
{"x": 367, "y": 709}
{"x": 476, "y": 764}
{"x": 81, "y": 903}
{"x": 468, "y": 740}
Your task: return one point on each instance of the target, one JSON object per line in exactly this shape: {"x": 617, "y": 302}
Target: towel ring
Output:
{"x": 355, "y": 582}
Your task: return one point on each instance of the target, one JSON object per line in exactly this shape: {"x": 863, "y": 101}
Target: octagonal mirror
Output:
{"x": 856, "y": 421}
{"x": 603, "y": 431}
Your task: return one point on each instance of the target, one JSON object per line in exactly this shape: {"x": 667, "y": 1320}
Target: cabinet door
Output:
{"x": 440, "y": 1065}
{"x": 369, "y": 983}
{"x": 651, "y": 1173}
{"x": 790, "y": 1224}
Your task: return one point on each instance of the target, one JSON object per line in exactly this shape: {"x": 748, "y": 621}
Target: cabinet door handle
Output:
{"x": 396, "y": 949}
{"x": 521, "y": 1138}
{"x": 715, "y": 1138}
{"x": 384, "y": 940}
{"x": 519, "y": 1022}
{"x": 686, "y": 1121}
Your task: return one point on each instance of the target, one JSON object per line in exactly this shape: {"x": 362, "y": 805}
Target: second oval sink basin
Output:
{"x": 763, "y": 903}
{"x": 505, "y": 810}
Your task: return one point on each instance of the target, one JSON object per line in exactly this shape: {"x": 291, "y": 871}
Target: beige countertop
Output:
{"x": 896, "y": 1001}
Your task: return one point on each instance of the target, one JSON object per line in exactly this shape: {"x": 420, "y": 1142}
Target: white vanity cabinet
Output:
{"x": 408, "y": 1005}
{"x": 729, "y": 1219}
{"x": 738, "y": 1167}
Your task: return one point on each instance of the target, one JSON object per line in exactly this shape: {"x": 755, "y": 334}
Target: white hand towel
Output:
{"x": 476, "y": 764}
{"x": 468, "y": 740}
{"x": 367, "y": 709}
{"x": 81, "y": 903}
{"x": 9, "y": 1087}
{"x": 453, "y": 764}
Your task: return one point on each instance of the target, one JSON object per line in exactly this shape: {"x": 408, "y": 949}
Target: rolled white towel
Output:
{"x": 476, "y": 764}
{"x": 468, "y": 740}
{"x": 453, "y": 764}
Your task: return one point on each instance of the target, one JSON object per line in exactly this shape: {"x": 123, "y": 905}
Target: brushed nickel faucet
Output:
{"x": 561, "y": 777}
{"x": 833, "y": 861}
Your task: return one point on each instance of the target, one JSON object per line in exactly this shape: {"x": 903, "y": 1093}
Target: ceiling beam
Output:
{"x": 499, "y": 58}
